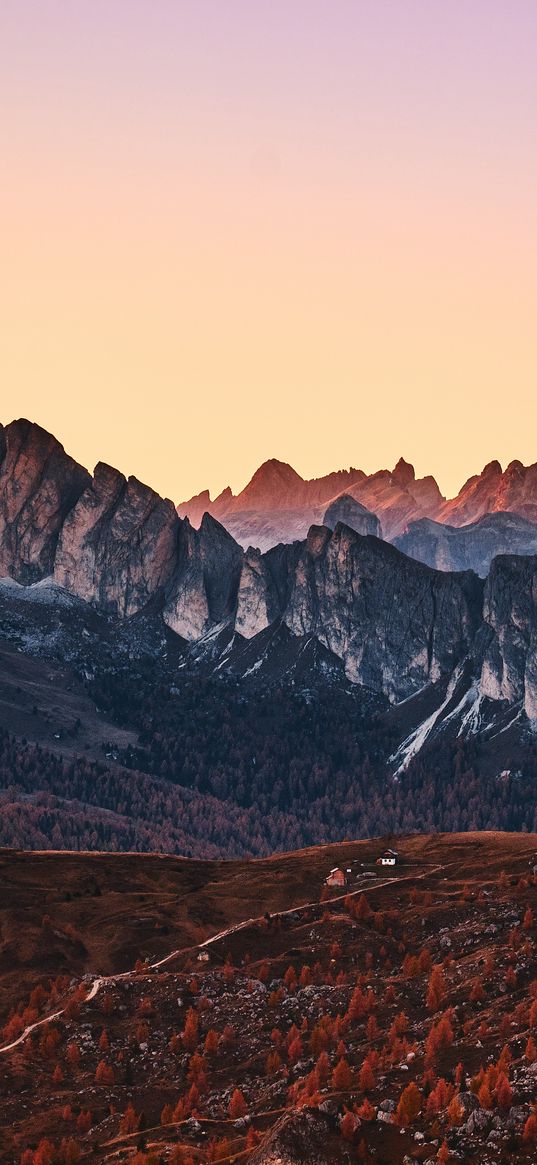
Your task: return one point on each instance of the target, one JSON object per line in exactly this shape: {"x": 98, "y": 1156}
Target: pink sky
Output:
{"x": 235, "y": 230}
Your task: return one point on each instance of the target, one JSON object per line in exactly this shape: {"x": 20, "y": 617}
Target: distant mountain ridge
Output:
{"x": 278, "y": 505}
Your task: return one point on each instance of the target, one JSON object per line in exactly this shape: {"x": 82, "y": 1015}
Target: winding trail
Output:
{"x": 31, "y": 1028}
{"x": 103, "y": 980}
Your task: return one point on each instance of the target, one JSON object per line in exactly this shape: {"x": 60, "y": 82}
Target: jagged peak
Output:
{"x": 225, "y": 494}
{"x": 274, "y": 484}
{"x": 104, "y": 472}
{"x": 274, "y": 470}
{"x": 492, "y": 468}
{"x": 211, "y": 527}
{"x": 404, "y": 472}
{"x": 23, "y": 425}
{"x": 317, "y": 539}
{"x": 142, "y": 487}
{"x": 25, "y": 432}
{"x": 204, "y": 495}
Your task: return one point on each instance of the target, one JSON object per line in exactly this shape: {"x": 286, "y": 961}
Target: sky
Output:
{"x": 241, "y": 229}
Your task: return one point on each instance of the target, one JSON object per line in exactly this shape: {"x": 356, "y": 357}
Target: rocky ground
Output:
{"x": 203, "y": 1011}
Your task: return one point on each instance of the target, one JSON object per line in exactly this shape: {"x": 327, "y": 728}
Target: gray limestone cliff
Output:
{"x": 117, "y": 548}
{"x": 395, "y": 623}
{"x": 509, "y": 670}
{"x": 203, "y": 590}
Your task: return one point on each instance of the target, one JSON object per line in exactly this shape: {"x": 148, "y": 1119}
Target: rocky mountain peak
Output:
{"x": 492, "y": 469}
{"x": 318, "y": 537}
{"x": 222, "y": 501}
{"x": 211, "y": 529}
{"x": 404, "y": 473}
{"x": 275, "y": 484}
{"x": 514, "y": 469}
{"x": 346, "y": 589}
{"x": 39, "y": 485}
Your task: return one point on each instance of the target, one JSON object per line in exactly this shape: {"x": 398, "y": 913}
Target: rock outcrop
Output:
{"x": 203, "y": 590}
{"x": 469, "y": 547}
{"x": 509, "y": 669}
{"x": 346, "y": 509}
{"x": 395, "y": 623}
{"x": 300, "y": 1138}
{"x": 118, "y": 545}
{"x": 39, "y": 485}
{"x": 265, "y": 587}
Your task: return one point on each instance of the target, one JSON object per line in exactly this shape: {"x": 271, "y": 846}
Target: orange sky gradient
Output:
{"x": 305, "y": 231}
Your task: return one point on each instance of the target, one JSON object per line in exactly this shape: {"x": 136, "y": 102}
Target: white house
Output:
{"x": 389, "y": 857}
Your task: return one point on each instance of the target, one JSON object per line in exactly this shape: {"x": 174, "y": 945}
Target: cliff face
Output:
{"x": 39, "y": 485}
{"x": 346, "y": 509}
{"x": 265, "y": 587}
{"x": 111, "y": 541}
{"x": 509, "y": 670}
{"x": 396, "y": 624}
{"x": 203, "y": 589}
{"x": 117, "y": 548}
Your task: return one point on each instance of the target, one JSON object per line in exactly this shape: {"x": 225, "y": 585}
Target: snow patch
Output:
{"x": 415, "y": 742}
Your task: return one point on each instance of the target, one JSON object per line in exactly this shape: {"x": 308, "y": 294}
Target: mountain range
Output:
{"x": 459, "y": 651}
{"x": 278, "y": 505}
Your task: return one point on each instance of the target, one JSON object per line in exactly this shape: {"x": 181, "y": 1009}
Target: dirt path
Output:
{"x": 31, "y": 1027}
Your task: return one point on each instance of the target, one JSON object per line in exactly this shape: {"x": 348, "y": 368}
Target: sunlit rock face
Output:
{"x": 278, "y": 505}
{"x": 118, "y": 545}
{"x": 39, "y": 485}
{"x": 509, "y": 670}
{"x": 395, "y": 623}
{"x": 513, "y": 490}
{"x": 203, "y": 589}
